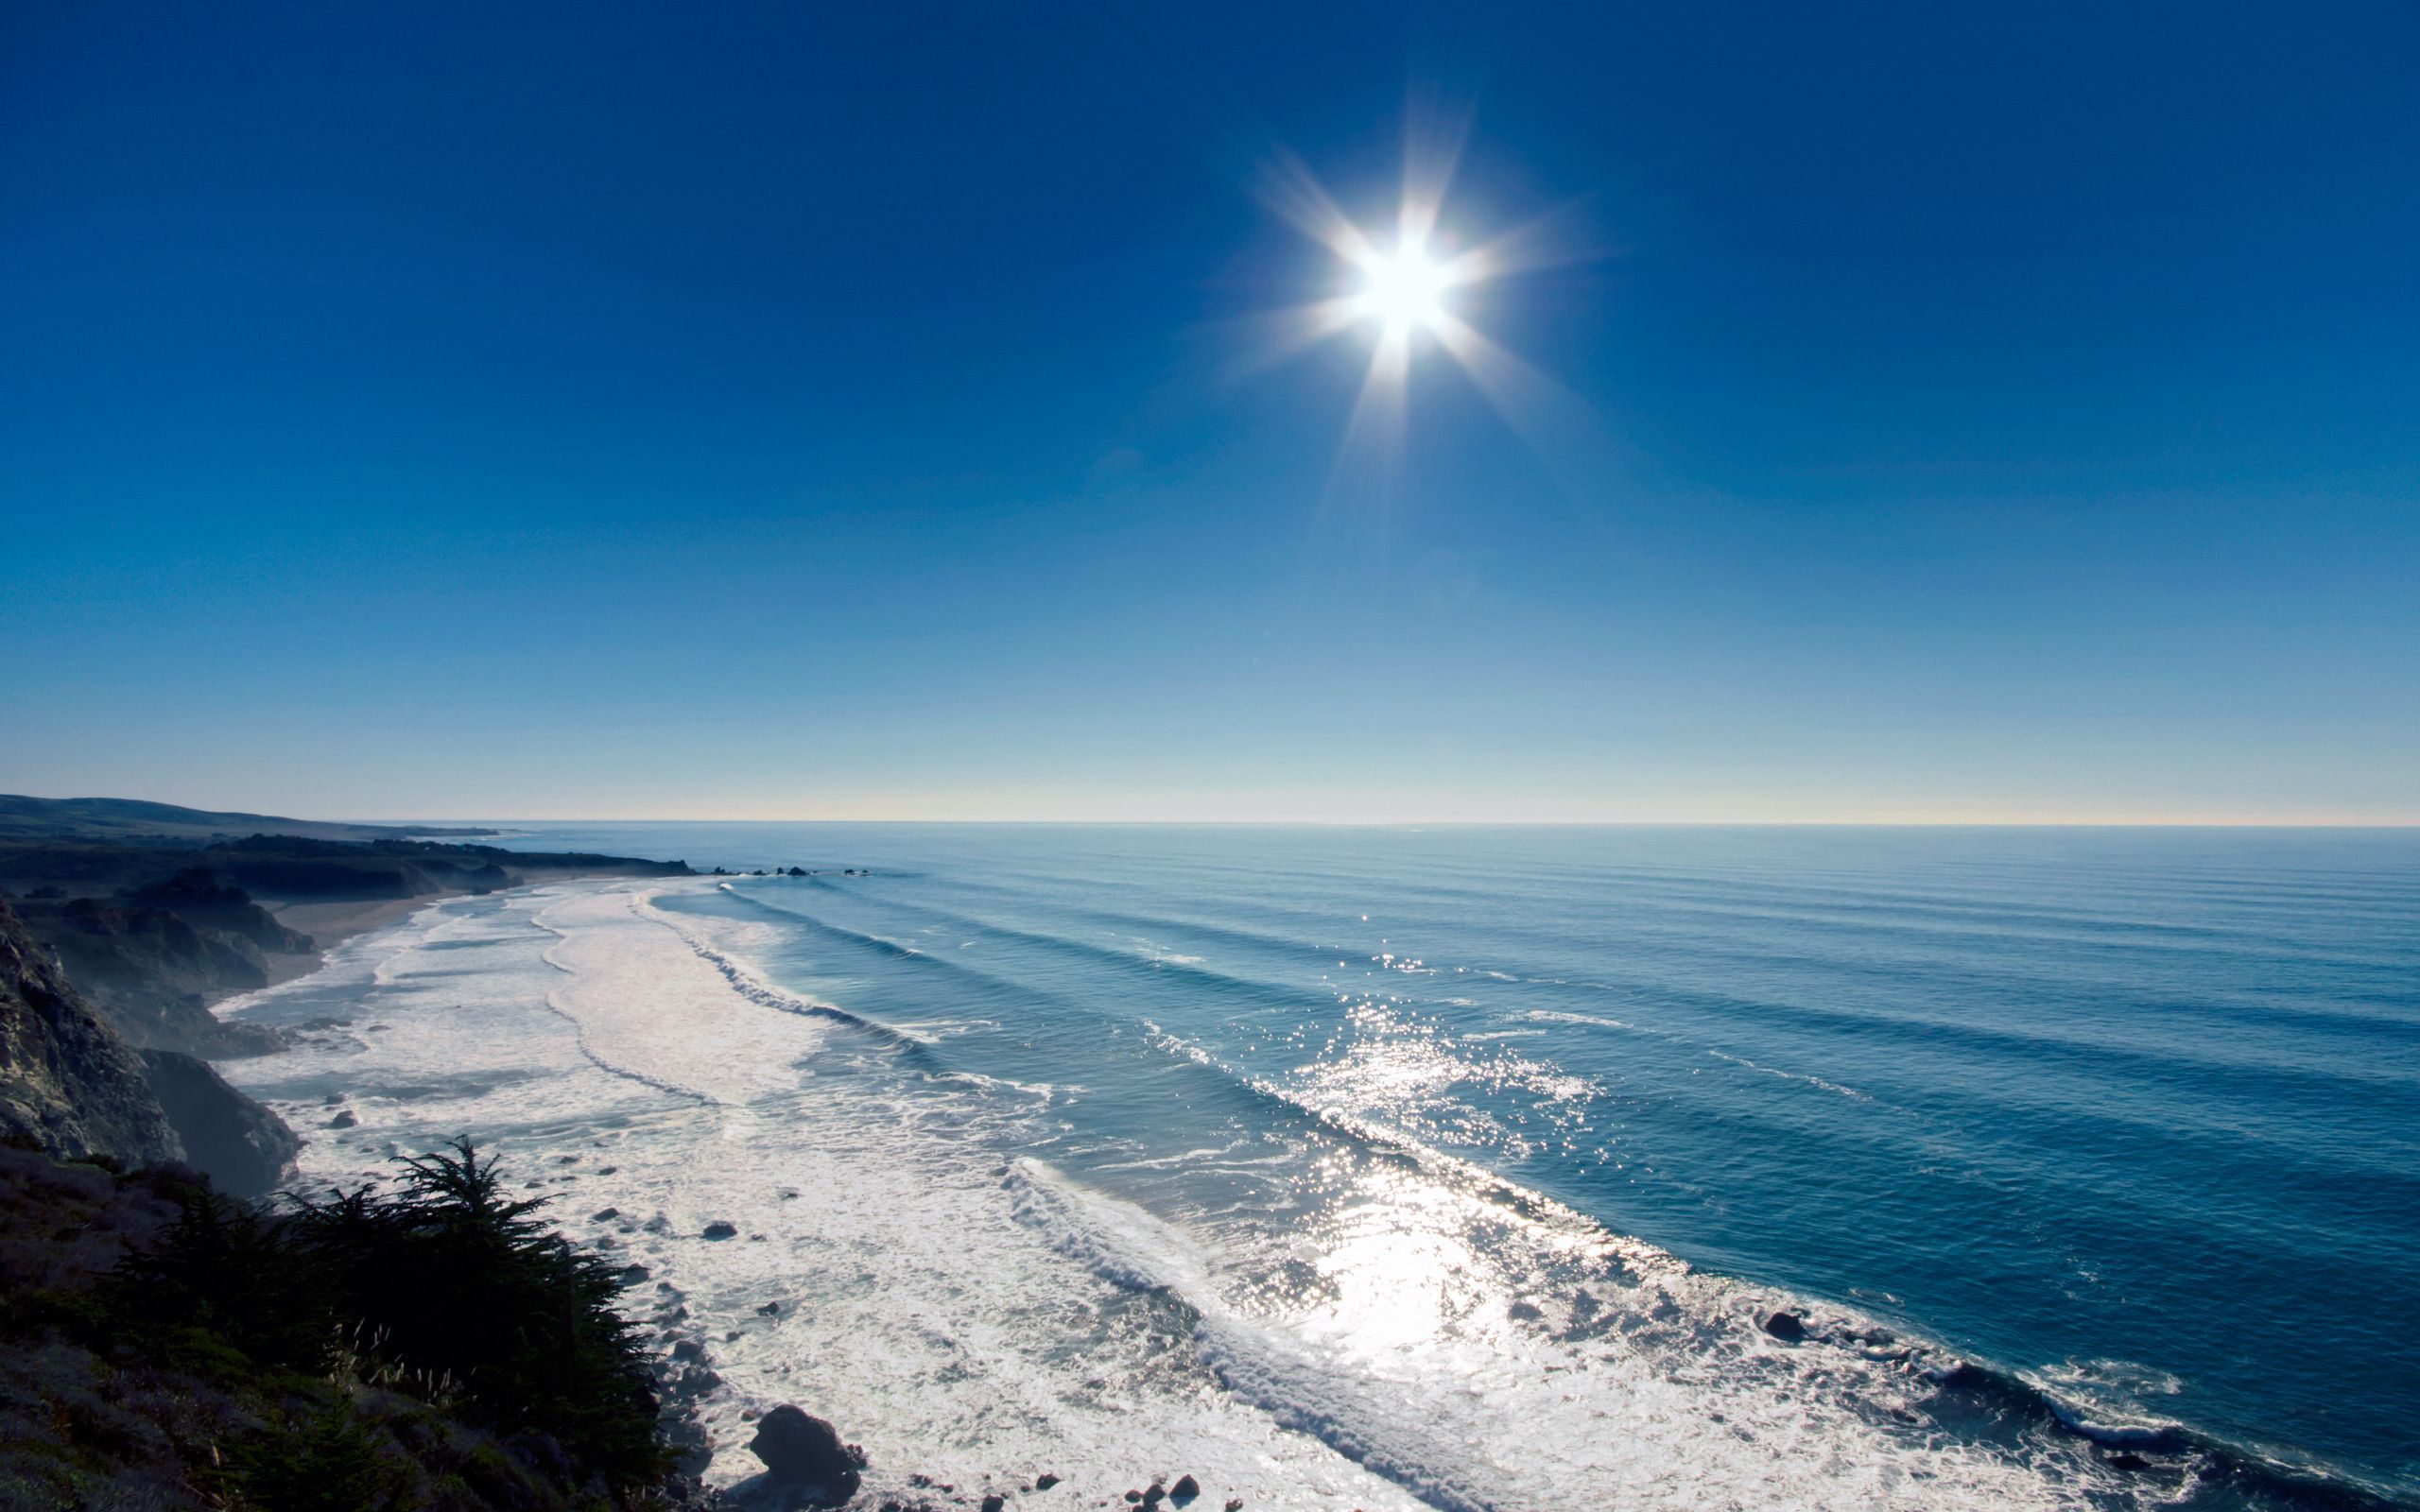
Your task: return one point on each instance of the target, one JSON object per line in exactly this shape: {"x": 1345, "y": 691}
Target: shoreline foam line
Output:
{"x": 754, "y": 987}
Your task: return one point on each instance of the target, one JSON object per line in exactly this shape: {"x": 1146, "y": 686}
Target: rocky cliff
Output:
{"x": 72, "y": 1086}
{"x": 243, "y": 1147}
{"x": 68, "y": 1083}
{"x": 153, "y": 959}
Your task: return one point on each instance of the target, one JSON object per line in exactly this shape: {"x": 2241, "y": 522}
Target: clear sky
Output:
{"x": 799, "y": 411}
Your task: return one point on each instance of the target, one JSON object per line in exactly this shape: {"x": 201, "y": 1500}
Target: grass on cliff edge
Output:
{"x": 424, "y": 1344}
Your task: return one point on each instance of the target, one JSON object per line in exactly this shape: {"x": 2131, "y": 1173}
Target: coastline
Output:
{"x": 159, "y": 913}
{"x": 332, "y": 921}
{"x": 774, "y": 1226}
{"x": 676, "y": 1058}
{"x": 329, "y": 924}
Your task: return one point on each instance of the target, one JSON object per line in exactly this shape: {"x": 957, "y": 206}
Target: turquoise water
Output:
{"x": 2128, "y": 1120}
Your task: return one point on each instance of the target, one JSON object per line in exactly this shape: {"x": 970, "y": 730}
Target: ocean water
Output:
{"x": 1461, "y": 1168}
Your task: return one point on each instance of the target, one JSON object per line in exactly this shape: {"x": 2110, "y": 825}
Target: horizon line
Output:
{"x": 1978, "y": 821}
{"x": 1297, "y": 822}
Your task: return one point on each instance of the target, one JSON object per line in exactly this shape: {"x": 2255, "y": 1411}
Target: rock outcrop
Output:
{"x": 207, "y": 898}
{"x": 73, "y": 1087}
{"x": 68, "y": 1082}
{"x": 804, "y": 1450}
{"x": 243, "y": 1147}
{"x": 152, "y": 970}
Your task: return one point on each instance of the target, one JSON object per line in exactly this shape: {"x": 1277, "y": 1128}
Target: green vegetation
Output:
{"x": 424, "y": 1344}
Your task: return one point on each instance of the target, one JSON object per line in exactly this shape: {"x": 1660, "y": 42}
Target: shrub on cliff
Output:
{"x": 451, "y": 1285}
{"x": 432, "y": 1344}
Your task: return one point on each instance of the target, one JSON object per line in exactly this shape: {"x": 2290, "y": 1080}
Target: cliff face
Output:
{"x": 67, "y": 1081}
{"x": 243, "y": 1147}
{"x": 206, "y": 900}
{"x": 71, "y": 1084}
{"x": 151, "y": 964}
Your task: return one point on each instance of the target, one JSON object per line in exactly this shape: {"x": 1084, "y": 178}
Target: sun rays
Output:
{"x": 1407, "y": 290}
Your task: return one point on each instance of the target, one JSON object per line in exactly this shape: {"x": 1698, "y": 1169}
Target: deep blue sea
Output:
{"x": 2092, "y": 1151}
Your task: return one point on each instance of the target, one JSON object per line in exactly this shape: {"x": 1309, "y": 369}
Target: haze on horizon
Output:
{"x": 1987, "y": 416}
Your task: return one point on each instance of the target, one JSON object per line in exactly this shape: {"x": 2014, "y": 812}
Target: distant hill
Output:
{"x": 134, "y": 820}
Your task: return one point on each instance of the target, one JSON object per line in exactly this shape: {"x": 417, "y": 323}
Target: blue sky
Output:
{"x": 1968, "y": 413}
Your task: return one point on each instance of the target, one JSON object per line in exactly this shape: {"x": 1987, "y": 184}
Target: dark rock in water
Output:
{"x": 799, "y": 1446}
{"x": 994, "y": 1503}
{"x": 1154, "y": 1494}
{"x": 1133, "y": 1496}
{"x": 658, "y": 1225}
{"x": 1234, "y": 1504}
{"x": 689, "y": 1350}
{"x": 633, "y": 1275}
{"x": 770, "y": 1308}
{"x": 694, "y": 1450}
{"x": 344, "y": 1120}
{"x": 235, "y": 1141}
{"x": 2127, "y": 1462}
{"x": 1788, "y": 1326}
{"x": 1044, "y": 1483}
{"x": 719, "y": 1230}
{"x": 605, "y": 1216}
{"x": 796, "y": 872}
{"x": 1185, "y": 1490}
{"x": 1524, "y": 1312}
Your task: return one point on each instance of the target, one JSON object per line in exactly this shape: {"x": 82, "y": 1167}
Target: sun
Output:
{"x": 1403, "y": 289}
{"x": 1412, "y": 289}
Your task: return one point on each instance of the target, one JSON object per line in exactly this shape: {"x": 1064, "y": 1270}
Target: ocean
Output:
{"x": 1464, "y": 1168}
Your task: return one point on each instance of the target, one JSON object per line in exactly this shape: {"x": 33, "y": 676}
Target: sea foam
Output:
{"x": 1369, "y": 1322}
